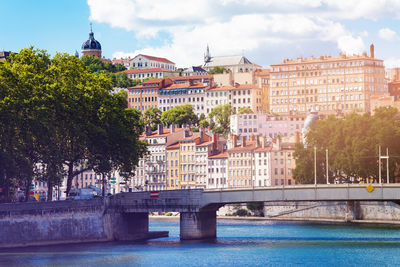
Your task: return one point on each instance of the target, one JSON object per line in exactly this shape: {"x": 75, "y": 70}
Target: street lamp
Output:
{"x": 315, "y": 165}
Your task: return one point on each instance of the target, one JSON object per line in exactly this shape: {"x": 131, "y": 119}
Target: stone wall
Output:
{"x": 41, "y": 223}
{"x": 375, "y": 211}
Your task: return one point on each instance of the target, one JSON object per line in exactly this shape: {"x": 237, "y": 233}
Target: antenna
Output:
{"x": 91, "y": 27}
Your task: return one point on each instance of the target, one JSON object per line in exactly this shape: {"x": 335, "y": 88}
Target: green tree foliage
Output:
{"x": 352, "y": 143}
{"x": 121, "y": 80}
{"x": 95, "y": 64}
{"x": 152, "y": 117}
{"x": 220, "y": 119}
{"x": 180, "y": 115}
{"x": 244, "y": 110}
{"x": 217, "y": 70}
{"x": 204, "y": 123}
{"x": 56, "y": 115}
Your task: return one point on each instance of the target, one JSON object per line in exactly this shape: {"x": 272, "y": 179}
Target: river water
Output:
{"x": 239, "y": 243}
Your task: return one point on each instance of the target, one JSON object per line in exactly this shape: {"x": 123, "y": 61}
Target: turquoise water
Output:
{"x": 238, "y": 244}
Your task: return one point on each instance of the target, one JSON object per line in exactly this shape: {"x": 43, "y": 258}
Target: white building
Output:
{"x": 232, "y": 63}
{"x": 154, "y": 168}
{"x": 262, "y": 163}
{"x": 149, "y": 62}
{"x": 218, "y": 171}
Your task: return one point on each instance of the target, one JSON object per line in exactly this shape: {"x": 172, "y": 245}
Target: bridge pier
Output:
{"x": 198, "y": 225}
{"x": 130, "y": 226}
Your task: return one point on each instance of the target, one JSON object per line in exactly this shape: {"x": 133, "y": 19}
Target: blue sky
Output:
{"x": 265, "y": 31}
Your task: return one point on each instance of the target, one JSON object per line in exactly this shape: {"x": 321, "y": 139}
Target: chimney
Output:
{"x": 253, "y": 137}
{"x": 258, "y": 141}
{"x": 202, "y": 135}
{"x": 215, "y": 142}
{"x": 234, "y": 140}
{"x": 160, "y": 128}
{"x": 371, "y": 51}
{"x": 187, "y": 132}
{"x": 172, "y": 128}
{"x": 148, "y": 131}
{"x": 243, "y": 141}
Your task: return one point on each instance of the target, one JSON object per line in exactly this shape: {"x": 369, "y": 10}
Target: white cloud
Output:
{"x": 231, "y": 26}
{"x": 387, "y": 34}
{"x": 351, "y": 45}
{"x": 392, "y": 62}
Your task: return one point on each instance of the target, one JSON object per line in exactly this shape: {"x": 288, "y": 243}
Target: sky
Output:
{"x": 265, "y": 31}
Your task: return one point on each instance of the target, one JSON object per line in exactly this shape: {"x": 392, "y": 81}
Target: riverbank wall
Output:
{"x": 356, "y": 211}
{"x": 77, "y": 221}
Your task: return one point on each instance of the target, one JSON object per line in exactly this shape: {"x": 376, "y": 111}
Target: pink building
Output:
{"x": 266, "y": 125}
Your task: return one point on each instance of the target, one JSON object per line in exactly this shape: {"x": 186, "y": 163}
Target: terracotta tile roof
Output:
{"x": 222, "y": 155}
{"x": 238, "y": 87}
{"x": 192, "y": 77}
{"x": 166, "y": 132}
{"x": 134, "y": 71}
{"x": 173, "y": 146}
{"x": 250, "y": 145}
{"x": 323, "y": 59}
{"x": 262, "y": 72}
{"x": 205, "y": 143}
{"x": 161, "y": 59}
{"x": 185, "y": 85}
{"x": 259, "y": 149}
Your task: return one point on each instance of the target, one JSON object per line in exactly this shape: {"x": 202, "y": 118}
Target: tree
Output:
{"x": 121, "y": 80}
{"x": 244, "y": 110}
{"x": 180, "y": 115}
{"x": 56, "y": 115}
{"x": 152, "y": 117}
{"x": 217, "y": 70}
{"x": 220, "y": 117}
{"x": 352, "y": 143}
{"x": 204, "y": 124}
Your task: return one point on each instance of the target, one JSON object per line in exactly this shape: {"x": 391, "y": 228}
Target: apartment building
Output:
{"x": 266, "y": 125}
{"x": 187, "y": 146}
{"x": 154, "y": 176}
{"x": 181, "y": 94}
{"x": 149, "y": 62}
{"x": 241, "y": 164}
{"x": 216, "y": 96}
{"x": 282, "y": 164}
{"x": 262, "y": 163}
{"x": 145, "y": 95}
{"x": 173, "y": 166}
{"x": 143, "y": 74}
{"x": 263, "y": 81}
{"x": 217, "y": 175}
{"x": 331, "y": 85}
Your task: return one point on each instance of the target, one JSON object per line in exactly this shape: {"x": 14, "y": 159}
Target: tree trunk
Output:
{"x": 103, "y": 182}
{"x": 70, "y": 177}
{"x": 28, "y": 189}
{"x": 49, "y": 190}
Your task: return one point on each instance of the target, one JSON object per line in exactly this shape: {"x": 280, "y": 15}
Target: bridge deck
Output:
{"x": 336, "y": 192}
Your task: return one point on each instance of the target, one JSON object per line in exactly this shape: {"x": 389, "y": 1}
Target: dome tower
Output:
{"x": 91, "y": 46}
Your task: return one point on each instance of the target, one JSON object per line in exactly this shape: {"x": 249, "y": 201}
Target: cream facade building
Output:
{"x": 331, "y": 85}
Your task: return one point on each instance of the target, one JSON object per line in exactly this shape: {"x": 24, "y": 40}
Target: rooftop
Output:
{"x": 134, "y": 71}
{"x": 161, "y": 59}
{"x": 227, "y": 61}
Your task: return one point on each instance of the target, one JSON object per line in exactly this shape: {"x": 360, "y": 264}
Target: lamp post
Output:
{"x": 315, "y": 165}
{"x": 327, "y": 167}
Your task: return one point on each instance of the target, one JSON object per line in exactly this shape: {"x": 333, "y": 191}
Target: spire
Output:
{"x": 76, "y": 54}
{"x": 207, "y": 56}
{"x": 91, "y": 35}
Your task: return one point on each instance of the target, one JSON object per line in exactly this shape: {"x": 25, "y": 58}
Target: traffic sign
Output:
{"x": 154, "y": 194}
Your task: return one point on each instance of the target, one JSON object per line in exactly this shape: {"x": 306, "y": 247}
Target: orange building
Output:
{"x": 331, "y": 85}
{"x": 145, "y": 95}
{"x": 263, "y": 79}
